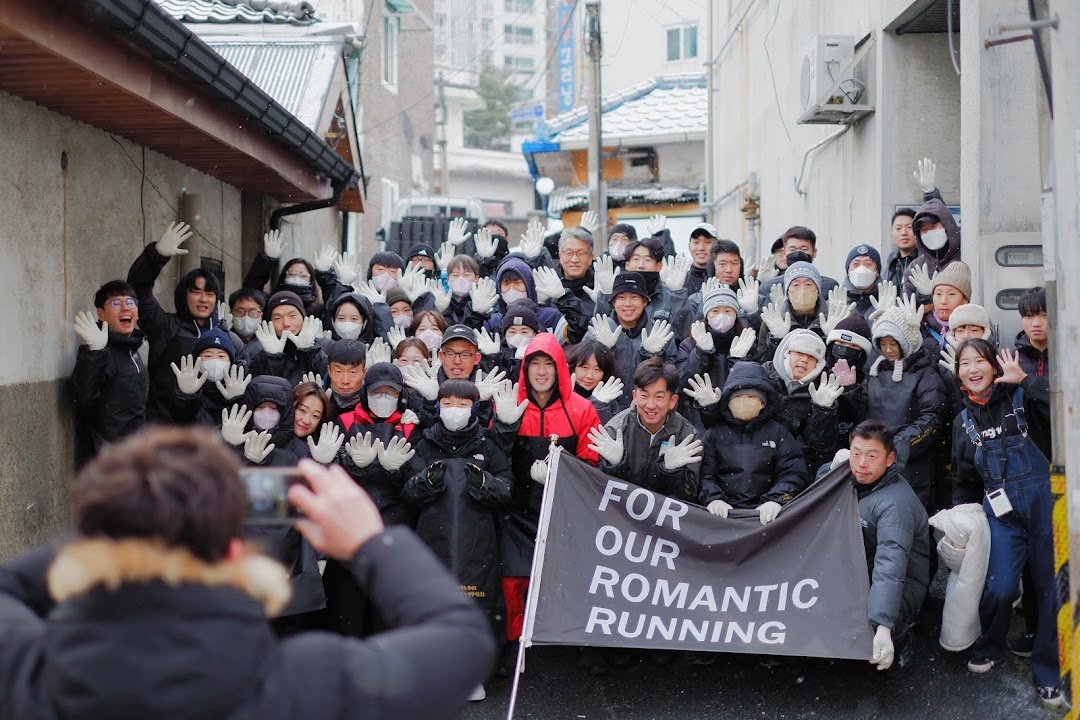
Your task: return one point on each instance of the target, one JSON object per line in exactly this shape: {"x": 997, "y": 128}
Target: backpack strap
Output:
{"x": 969, "y": 428}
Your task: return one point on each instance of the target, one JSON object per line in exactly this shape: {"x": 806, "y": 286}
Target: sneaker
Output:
{"x": 1051, "y": 696}
{"x": 981, "y": 665}
{"x": 507, "y": 663}
{"x": 1023, "y": 645}
{"x": 478, "y": 694}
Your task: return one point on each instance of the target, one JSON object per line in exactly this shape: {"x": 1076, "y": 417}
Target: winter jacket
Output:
{"x": 896, "y": 267}
{"x": 110, "y": 393}
{"x": 997, "y": 419}
{"x": 664, "y": 304}
{"x": 862, "y": 299}
{"x": 549, "y": 316}
{"x": 171, "y": 335}
{"x": 933, "y": 260}
{"x": 262, "y": 271}
{"x": 695, "y": 278}
{"x": 965, "y": 549}
{"x": 154, "y": 647}
{"x": 643, "y": 462}
{"x": 1034, "y": 362}
{"x": 628, "y": 350}
{"x": 577, "y": 289}
{"x": 377, "y": 319}
{"x": 767, "y": 343}
{"x": 292, "y": 363}
{"x": 814, "y": 427}
{"x": 748, "y": 462}
{"x": 203, "y": 407}
{"x": 897, "y": 542}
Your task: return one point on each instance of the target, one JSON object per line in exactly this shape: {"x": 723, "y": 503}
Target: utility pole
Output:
{"x": 440, "y": 135}
{"x": 597, "y": 190}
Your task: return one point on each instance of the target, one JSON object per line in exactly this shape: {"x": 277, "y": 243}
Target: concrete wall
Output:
{"x": 635, "y": 40}
{"x": 64, "y": 234}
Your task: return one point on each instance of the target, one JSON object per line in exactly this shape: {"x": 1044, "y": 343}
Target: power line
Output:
{"x": 555, "y": 46}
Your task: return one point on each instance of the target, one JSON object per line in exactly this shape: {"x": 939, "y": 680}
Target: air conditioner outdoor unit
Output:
{"x": 832, "y": 91}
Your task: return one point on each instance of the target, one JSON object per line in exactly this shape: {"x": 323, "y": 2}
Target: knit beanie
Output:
{"x": 902, "y": 328}
{"x": 860, "y": 251}
{"x": 625, "y": 228}
{"x": 956, "y": 274}
{"x": 396, "y": 294}
{"x": 802, "y": 270}
{"x": 421, "y": 250}
{"x": 216, "y": 339}
{"x": 520, "y": 314}
{"x": 720, "y": 297}
{"x": 971, "y": 314}
{"x": 853, "y": 329}
{"x": 285, "y": 297}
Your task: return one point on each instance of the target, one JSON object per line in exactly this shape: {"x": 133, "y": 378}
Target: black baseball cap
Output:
{"x": 460, "y": 332}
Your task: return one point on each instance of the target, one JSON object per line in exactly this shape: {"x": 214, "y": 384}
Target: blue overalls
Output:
{"x": 1014, "y": 462}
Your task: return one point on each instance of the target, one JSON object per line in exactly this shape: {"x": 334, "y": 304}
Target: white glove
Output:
{"x": 920, "y": 278}
{"x": 507, "y": 409}
{"x": 234, "y": 383}
{"x": 225, "y": 315}
{"x": 883, "y": 648}
{"x": 363, "y": 450}
{"x": 367, "y": 290}
{"x": 709, "y": 285}
{"x": 487, "y": 343}
{"x": 188, "y": 377}
{"x": 601, "y": 330}
{"x": 441, "y": 295}
{"x": 926, "y": 175}
{"x": 272, "y": 244}
{"x": 486, "y": 244}
{"x": 532, "y": 242}
{"x": 347, "y": 268}
{"x": 330, "y": 439}
{"x": 827, "y": 390}
{"x": 842, "y": 457}
{"x": 778, "y": 325}
{"x": 233, "y": 422}
{"x": 488, "y": 385}
{"x": 409, "y": 418}
{"x": 766, "y": 268}
{"x": 174, "y": 236}
{"x": 604, "y": 272}
{"x": 719, "y": 508}
{"x": 547, "y": 284}
{"x": 457, "y": 234}
{"x": 308, "y": 332}
{"x": 258, "y": 447}
{"x": 607, "y": 447}
{"x": 444, "y": 255}
{"x": 590, "y": 221}
{"x": 93, "y": 336}
{"x": 702, "y": 391}
{"x": 768, "y": 511}
{"x": 539, "y": 471}
{"x": 413, "y": 281}
{"x": 377, "y": 352}
{"x": 748, "y": 295}
{"x": 267, "y": 337}
{"x": 740, "y": 348}
{"x": 310, "y": 377}
{"x": 886, "y": 298}
{"x": 912, "y": 308}
{"x": 838, "y": 309}
{"x": 673, "y": 272}
{"x": 417, "y": 379}
{"x": 324, "y": 258}
{"x": 608, "y": 390}
{"x": 433, "y": 367}
{"x": 656, "y": 338}
{"x": 702, "y": 337}
{"x": 776, "y": 294}
{"x": 682, "y": 454}
{"x": 656, "y": 224}
{"x": 948, "y": 357}
{"x": 394, "y": 336}
{"x": 395, "y": 454}
{"x": 483, "y": 296}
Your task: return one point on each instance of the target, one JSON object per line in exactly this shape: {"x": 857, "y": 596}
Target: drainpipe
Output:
{"x": 275, "y": 217}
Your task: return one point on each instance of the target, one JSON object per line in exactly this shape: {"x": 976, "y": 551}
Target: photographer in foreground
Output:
{"x": 158, "y": 609}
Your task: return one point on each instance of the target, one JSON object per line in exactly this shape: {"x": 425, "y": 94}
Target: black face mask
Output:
{"x": 855, "y": 357}
{"x": 794, "y": 257}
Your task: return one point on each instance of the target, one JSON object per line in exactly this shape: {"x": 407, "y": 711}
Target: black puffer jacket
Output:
{"x": 933, "y": 260}
{"x": 748, "y": 462}
{"x": 628, "y": 350}
{"x": 292, "y": 363}
{"x": 110, "y": 393}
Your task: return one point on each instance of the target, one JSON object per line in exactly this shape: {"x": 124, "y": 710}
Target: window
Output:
{"x": 681, "y": 43}
{"x": 391, "y": 28}
{"x": 390, "y": 194}
{"x": 517, "y": 35}
{"x": 519, "y": 64}
{"x": 518, "y": 6}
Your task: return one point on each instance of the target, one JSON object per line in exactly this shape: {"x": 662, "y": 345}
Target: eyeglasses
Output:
{"x": 571, "y": 254}
{"x": 452, "y": 356}
{"x": 301, "y": 275}
{"x": 117, "y": 303}
{"x": 253, "y": 314}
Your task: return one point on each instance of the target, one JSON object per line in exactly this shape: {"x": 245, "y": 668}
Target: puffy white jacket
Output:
{"x": 965, "y": 549}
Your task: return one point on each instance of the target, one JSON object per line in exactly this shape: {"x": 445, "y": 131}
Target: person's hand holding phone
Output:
{"x": 339, "y": 517}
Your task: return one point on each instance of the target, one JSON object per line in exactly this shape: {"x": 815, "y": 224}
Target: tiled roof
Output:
{"x": 666, "y": 105}
{"x": 576, "y": 198}
{"x": 293, "y": 12}
{"x": 297, "y": 74}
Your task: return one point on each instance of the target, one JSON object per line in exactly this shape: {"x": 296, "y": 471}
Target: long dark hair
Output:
{"x": 986, "y": 350}
{"x": 579, "y": 354}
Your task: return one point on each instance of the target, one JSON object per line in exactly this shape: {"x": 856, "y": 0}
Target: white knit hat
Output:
{"x": 971, "y": 314}
{"x": 903, "y": 328}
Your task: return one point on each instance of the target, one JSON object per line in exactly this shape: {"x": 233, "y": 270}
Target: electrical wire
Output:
{"x": 1040, "y": 55}
{"x": 555, "y": 48}
{"x": 948, "y": 31}
{"x": 772, "y": 75}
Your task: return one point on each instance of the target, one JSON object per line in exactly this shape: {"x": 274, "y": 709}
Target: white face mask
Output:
{"x": 455, "y": 418}
{"x": 383, "y": 282}
{"x": 461, "y": 287}
{"x": 403, "y": 321}
{"x": 348, "y": 330}
{"x": 431, "y": 338}
{"x": 266, "y": 418}
{"x": 382, "y": 405}
{"x": 861, "y": 277}
{"x": 245, "y": 325}
{"x": 215, "y": 369}
{"x": 721, "y": 323}
{"x": 935, "y": 239}
{"x": 618, "y": 251}
{"x": 512, "y": 295}
{"x": 518, "y": 341}
{"x": 297, "y": 281}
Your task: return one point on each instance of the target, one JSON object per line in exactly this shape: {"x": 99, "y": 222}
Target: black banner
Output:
{"x": 617, "y": 565}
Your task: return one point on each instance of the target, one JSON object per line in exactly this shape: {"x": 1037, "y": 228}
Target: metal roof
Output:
{"x": 627, "y": 195}
{"x": 664, "y": 108}
{"x": 292, "y": 12}
{"x": 298, "y": 74}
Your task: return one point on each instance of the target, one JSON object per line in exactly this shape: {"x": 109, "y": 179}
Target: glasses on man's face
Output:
{"x": 571, "y": 254}
{"x": 253, "y": 314}
{"x": 464, "y": 355}
{"x": 129, "y": 303}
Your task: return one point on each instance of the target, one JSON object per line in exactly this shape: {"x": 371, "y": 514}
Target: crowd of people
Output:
{"x": 441, "y": 381}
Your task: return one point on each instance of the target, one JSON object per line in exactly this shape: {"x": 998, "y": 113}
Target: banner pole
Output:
{"x": 519, "y": 668}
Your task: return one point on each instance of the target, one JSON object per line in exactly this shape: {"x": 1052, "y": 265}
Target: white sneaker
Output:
{"x": 478, "y": 694}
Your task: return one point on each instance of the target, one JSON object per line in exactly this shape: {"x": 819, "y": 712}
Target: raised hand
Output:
{"x": 607, "y": 447}
{"x": 1012, "y": 373}
{"x": 778, "y": 325}
{"x": 948, "y": 357}
{"x": 347, "y": 268}
{"x": 656, "y": 223}
{"x": 272, "y": 244}
{"x": 457, "y": 234}
{"x": 488, "y": 385}
{"x": 174, "y": 236}
{"x": 776, "y": 294}
{"x": 413, "y": 281}
{"x": 378, "y": 352}
{"x": 330, "y": 440}
{"x": 748, "y": 295}
{"x": 702, "y": 390}
{"x": 395, "y": 336}
{"x": 267, "y": 337}
{"x": 608, "y": 390}
{"x": 483, "y": 296}
{"x": 920, "y": 278}
{"x": 702, "y": 337}
{"x": 590, "y": 221}
{"x": 507, "y": 408}
{"x": 444, "y": 255}
{"x": 846, "y": 374}
{"x": 600, "y": 327}
{"x": 673, "y": 272}
{"x": 654, "y": 339}
{"x": 486, "y": 244}
{"x": 827, "y": 391}
{"x": 395, "y": 454}
{"x": 233, "y": 422}
{"x": 234, "y": 383}
{"x": 189, "y": 377}
{"x": 93, "y": 335}
{"x": 324, "y": 258}
{"x": 926, "y": 175}
{"x": 604, "y": 272}
{"x": 487, "y": 343}
{"x": 740, "y": 348}
{"x": 418, "y": 379}
{"x": 308, "y": 332}
{"x": 368, "y": 291}
{"x": 548, "y": 285}
{"x": 258, "y": 447}
{"x": 363, "y": 450}
{"x": 532, "y": 242}
{"x": 683, "y": 453}
{"x": 886, "y": 298}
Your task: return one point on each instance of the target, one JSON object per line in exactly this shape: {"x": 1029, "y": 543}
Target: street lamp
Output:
{"x": 597, "y": 191}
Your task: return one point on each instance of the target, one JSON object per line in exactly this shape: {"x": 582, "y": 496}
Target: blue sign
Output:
{"x": 565, "y": 64}
{"x": 527, "y": 112}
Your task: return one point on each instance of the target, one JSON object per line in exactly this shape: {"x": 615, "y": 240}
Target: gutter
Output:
{"x": 149, "y": 28}
{"x": 275, "y": 217}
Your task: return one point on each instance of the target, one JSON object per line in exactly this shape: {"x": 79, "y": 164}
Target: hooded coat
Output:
{"x": 262, "y": 272}
{"x": 692, "y": 360}
{"x": 549, "y": 316}
{"x": 664, "y": 304}
{"x": 933, "y": 260}
{"x": 171, "y": 335}
{"x": 110, "y": 393}
{"x": 749, "y": 462}
{"x": 183, "y": 639}
{"x": 377, "y": 320}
